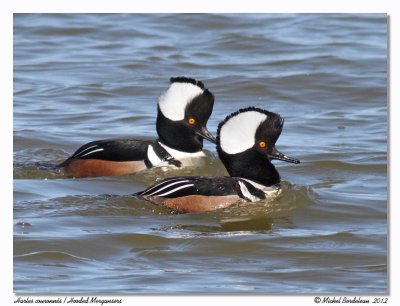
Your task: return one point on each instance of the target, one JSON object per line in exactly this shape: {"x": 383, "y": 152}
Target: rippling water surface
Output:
{"x": 82, "y": 77}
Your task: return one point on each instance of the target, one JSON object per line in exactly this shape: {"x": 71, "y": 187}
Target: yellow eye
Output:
{"x": 192, "y": 121}
{"x": 262, "y": 144}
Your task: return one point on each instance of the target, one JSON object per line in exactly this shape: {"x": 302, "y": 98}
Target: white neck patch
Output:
{"x": 180, "y": 154}
{"x": 270, "y": 192}
{"x": 238, "y": 133}
{"x": 173, "y": 102}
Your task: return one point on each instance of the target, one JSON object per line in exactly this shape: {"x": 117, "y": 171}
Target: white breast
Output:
{"x": 187, "y": 159}
{"x": 270, "y": 192}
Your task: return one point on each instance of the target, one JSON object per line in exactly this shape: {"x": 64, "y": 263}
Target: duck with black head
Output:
{"x": 246, "y": 146}
{"x": 183, "y": 112}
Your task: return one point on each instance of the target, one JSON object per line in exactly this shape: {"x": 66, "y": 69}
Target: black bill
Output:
{"x": 206, "y": 135}
{"x": 280, "y": 156}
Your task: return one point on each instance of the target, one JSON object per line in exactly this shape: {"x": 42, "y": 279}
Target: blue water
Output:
{"x": 83, "y": 77}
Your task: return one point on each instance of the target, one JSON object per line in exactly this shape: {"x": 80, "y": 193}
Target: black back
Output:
{"x": 193, "y": 185}
{"x": 113, "y": 150}
{"x": 182, "y": 186}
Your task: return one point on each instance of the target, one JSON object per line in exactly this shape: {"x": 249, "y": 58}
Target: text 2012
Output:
{"x": 380, "y": 300}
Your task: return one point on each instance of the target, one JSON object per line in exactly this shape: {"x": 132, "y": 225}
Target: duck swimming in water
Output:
{"x": 183, "y": 112}
{"x": 246, "y": 146}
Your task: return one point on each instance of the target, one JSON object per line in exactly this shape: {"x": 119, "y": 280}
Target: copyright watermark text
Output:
{"x": 349, "y": 300}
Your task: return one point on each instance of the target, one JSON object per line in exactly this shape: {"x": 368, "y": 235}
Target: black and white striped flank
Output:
{"x": 169, "y": 188}
{"x": 87, "y": 150}
{"x": 205, "y": 186}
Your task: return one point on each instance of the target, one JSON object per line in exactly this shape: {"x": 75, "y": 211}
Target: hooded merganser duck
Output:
{"x": 246, "y": 145}
{"x": 183, "y": 112}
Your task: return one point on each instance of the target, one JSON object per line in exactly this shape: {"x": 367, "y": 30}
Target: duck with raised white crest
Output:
{"x": 246, "y": 146}
{"x": 183, "y": 112}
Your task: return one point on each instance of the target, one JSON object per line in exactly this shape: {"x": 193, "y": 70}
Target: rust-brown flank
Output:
{"x": 195, "y": 203}
{"x": 94, "y": 167}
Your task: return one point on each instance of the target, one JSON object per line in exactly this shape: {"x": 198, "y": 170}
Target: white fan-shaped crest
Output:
{"x": 237, "y": 134}
{"x": 173, "y": 102}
